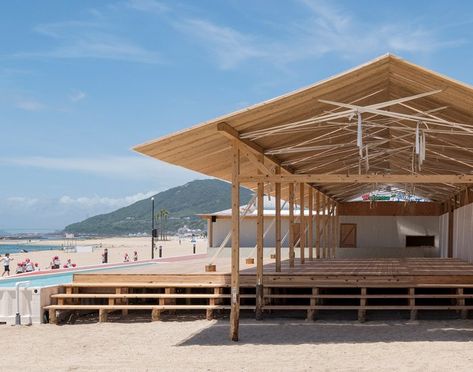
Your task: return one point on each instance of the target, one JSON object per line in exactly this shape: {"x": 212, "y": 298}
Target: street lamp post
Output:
{"x": 152, "y": 228}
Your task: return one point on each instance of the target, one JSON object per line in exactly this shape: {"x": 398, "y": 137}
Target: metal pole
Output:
{"x": 18, "y": 316}
{"x": 152, "y": 228}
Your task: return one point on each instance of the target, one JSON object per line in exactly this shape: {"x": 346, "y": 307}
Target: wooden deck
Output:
{"x": 411, "y": 285}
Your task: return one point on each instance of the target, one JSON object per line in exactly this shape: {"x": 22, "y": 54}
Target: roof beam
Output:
{"x": 362, "y": 178}
{"x": 228, "y": 131}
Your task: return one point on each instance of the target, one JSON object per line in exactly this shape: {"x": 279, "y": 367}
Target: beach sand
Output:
{"x": 117, "y": 248}
{"x": 268, "y": 345}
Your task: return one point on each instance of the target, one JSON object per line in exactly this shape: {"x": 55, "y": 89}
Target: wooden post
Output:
{"x": 337, "y": 230}
{"x": 103, "y": 315}
{"x": 210, "y": 228}
{"x": 278, "y": 223}
{"x": 52, "y": 316}
{"x": 317, "y": 225}
{"x": 362, "y": 309}
{"x": 302, "y": 222}
{"x": 412, "y": 303}
{"x": 328, "y": 227}
{"x": 461, "y": 303}
{"x": 451, "y": 210}
{"x": 235, "y": 276}
{"x": 259, "y": 251}
{"x": 310, "y": 242}
{"x": 155, "y": 315}
{"x": 334, "y": 229}
{"x": 323, "y": 234}
{"x": 311, "y": 313}
{"x": 291, "y": 225}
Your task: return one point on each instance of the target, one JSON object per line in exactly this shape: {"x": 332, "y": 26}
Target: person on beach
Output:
{"x": 20, "y": 268}
{"x": 56, "y": 264}
{"x": 126, "y": 258}
{"x": 29, "y": 266}
{"x": 36, "y": 267}
{"x": 6, "y": 264}
{"x": 105, "y": 256}
{"x": 135, "y": 256}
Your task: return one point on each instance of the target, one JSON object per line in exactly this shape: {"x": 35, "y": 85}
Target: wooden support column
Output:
{"x": 53, "y": 316}
{"x": 337, "y": 229}
{"x": 362, "y": 309}
{"x": 324, "y": 229}
{"x": 302, "y": 221}
{"x": 259, "y": 250}
{"x": 329, "y": 229}
{"x": 312, "y": 312}
{"x": 235, "y": 275}
{"x": 317, "y": 225}
{"x": 210, "y": 228}
{"x": 103, "y": 315}
{"x": 412, "y": 303}
{"x": 461, "y": 303}
{"x": 291, "y": 225}
{"x": 278, "y": 223}
{"x": 450, "y": 229}
{"x": 155, "y": 315}
{"x": 310, "y": 242}
{"x": 334, "y": 227}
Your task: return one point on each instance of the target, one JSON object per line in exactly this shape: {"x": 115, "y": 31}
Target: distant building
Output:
{"x": 219, "y": 225}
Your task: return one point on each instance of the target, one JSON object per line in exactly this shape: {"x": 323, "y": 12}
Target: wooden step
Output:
{"x": 145, "y": 295}
{"x": 136, "y": 307}
{"x": 355, "y": 296}
{"x": 145, "y": 285}
{"x": 367, "y": 307}
{"x": 141, "y": 295}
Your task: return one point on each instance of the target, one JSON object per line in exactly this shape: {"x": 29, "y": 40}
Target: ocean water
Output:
{"x": 16, "y": 248}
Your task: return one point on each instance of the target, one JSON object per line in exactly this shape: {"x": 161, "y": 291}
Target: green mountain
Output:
{"x": 182, "y": 203}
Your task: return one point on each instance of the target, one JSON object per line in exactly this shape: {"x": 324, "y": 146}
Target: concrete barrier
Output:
{"x": 32, "y": 301}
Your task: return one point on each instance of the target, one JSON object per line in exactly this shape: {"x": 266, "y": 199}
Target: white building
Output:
{"x": 383, "y": 229}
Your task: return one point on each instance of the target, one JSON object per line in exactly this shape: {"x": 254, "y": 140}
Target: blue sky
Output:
{"x": 81, "y": 82}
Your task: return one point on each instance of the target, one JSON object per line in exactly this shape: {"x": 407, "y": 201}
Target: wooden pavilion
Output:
{"x": 387, "y": 123}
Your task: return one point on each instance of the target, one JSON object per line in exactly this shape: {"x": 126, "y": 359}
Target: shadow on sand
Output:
{"x": 279, "y": 331}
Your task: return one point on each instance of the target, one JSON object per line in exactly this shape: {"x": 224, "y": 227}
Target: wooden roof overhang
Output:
{"x": 312, "y": 134}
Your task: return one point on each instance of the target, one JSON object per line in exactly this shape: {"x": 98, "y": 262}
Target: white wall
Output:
{"x": 222, "y": 226}
{"x": 463, "y": 233}
{"x": 385, "y": 236}
{"x": 377, "y": 236}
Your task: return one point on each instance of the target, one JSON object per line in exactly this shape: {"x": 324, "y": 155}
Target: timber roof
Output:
{"x": 306, "y": 134}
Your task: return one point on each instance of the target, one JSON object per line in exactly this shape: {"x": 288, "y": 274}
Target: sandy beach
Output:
{"x": 269, "y": 345}
{"x": 116, "y": 246}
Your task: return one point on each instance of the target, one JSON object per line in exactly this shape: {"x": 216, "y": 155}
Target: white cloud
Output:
{"x": 29, "y": 105}
{"x": 325, "y": 29}
{"x": 77, "y": 39}
{"x": 106, "y": 202}
{"x": 31, "y": 213}
{"x": 230, "y": 46}
{"x": 150, "y": 6}
{"x": 120, "y": 167}
{"x": 77, "y": 96}
{"x": 22, "y": 201}
{"x": 331, "y": 29}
